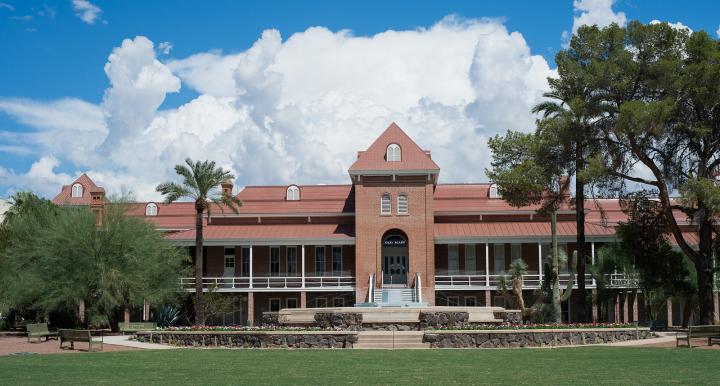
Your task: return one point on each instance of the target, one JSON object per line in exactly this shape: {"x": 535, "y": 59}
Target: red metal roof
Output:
{"x": 515, "y": 229}
{"x": 65, "y": 195}
{"x": 268, "y": 232}
{"x": 176, "y": 215}
{"x": 313, "y": 199}
{"x": 472, "y": 198}
{"x": 412, "y": 156}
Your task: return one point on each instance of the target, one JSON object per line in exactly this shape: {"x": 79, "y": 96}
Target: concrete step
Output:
{"x": 390, "y": 340}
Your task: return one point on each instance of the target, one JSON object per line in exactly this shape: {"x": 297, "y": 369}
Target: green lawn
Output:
{"x": 589, "y": 365}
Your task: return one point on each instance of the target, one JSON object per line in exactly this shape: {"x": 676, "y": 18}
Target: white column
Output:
{"x": 251, "y": 267}
{"x": 302, "y": 274}
{"x": 487, "y": 264}
{"x": 540, "y": 262}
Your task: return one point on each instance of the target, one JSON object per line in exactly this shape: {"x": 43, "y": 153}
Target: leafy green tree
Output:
{"x": 58, "y": 256}
{"x": 660, "y": 91}
{"x": 526, "y": 170}
{"x": 202, "y": 184}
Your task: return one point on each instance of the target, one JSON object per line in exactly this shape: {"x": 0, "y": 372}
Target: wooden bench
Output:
{"x": 39, "y": 330}
{"x": 73, "y": 336}
{"x": 710, "y": 332}
{"x": 137, "y": 326}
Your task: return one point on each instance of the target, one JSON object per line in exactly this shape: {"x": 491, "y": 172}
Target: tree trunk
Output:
{"x": 556, "y": 303}
{"x": 580, "y": 225}
{"x": 199, "y": 299}
{"x": 704, "y": 268}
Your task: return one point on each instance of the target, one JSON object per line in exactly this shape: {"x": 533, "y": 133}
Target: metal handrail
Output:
{"x": 418, "y": 287}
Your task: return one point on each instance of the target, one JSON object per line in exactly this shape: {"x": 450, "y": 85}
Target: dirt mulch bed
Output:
{"x": 10, "y": 345}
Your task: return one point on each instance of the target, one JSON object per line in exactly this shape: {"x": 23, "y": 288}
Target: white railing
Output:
{"x": 269, "y": 282}
{"x": 371, "y": 288}
{"x": 418, "y": 288}
{"x": 534, "y": 280}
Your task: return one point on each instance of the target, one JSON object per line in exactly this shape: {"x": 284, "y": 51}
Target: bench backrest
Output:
{"x": 704, "y": 330}
{"x": 37, "y": 328}
{"x": 138, "y": 326}
{"x": 76, "y": 335}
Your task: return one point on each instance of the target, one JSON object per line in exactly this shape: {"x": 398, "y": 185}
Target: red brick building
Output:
{"x": 392, "y": 236}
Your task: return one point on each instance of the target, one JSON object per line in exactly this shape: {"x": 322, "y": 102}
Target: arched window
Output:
{"x": 293, "y": 193}
{"x": 493, "y": 192}
{"x": 151, "y": 209}
{"x": 402, "y": 204}
{"x": 77, "y": 190}
{"x": 393, "y": 152}
{"x": 385, "y": 204}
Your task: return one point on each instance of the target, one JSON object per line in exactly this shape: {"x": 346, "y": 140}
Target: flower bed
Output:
{"x": 510, "y": 326}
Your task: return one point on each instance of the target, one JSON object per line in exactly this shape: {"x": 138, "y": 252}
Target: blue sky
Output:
{"x": 57, "y": 51}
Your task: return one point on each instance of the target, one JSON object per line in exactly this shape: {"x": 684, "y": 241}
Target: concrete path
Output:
{"x": 124, "y": 340}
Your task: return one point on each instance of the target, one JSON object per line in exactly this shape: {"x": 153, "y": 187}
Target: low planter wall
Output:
{"x": 251, "y": 339}
{"x": 531, "y": 338}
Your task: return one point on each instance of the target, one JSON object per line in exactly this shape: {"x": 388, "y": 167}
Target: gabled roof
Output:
{"x": 413, "y": 158}
{"x": 65, "y": 195}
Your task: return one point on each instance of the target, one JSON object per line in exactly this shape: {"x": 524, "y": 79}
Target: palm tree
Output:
{"x": 201, "y": 183}
{"x": 574, "y": 112}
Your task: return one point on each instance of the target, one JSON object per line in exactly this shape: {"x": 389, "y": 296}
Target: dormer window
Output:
{"x": 151, "y": 209}
{"x": 77, "y": 190}
{"x": 493, "y": 192}
{"x": 393, "y": 153}
{"x": 386, "y": 204}
{"x": 293, "y": 193}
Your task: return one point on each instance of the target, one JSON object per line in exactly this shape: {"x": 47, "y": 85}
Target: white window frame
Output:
{"x": 493, "y": 191}
{"x": 336, "y": 272}
{"x": 288, "y": 271}
{"x": 270, "y": 262}
{"x": 292, "y": 193}
{"x": 498, "y": 252}
{"x": 77, "y": 190}
{"x": 454, "y": 257}
{"x": 515, "y": 252}
{"x": 151, "y": 209}
{"x": 403, "y": 207}
{"x": 245, "y": 262}
{"x": 324, "y": 261}
{"x": 470, "y": 259}
{"x": 229, "y": 259}
{"x": 466, "y": 298}
{"x": 385, "y": 204}
{"x": 393, "y": 153}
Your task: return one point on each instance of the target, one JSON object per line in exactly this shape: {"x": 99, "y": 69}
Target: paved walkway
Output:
{"x": 124, "y": 340}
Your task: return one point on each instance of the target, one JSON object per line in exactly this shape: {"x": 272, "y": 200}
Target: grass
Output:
{"x": 585, "y": 365}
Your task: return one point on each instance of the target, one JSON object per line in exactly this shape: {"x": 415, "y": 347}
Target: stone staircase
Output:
{"x": 395, "y": 297}
{"x": 390, "y": 340}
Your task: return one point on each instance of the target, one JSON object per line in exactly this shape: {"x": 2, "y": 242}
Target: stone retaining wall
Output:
{"x": 252, "y": 339}
{"x": 531, "y": 338}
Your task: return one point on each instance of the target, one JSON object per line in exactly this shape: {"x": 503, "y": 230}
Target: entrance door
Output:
{"x": 395, "y": 260}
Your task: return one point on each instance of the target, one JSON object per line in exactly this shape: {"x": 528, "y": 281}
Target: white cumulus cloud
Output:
{"x": 593, "y": 12}
{"x": 86, "y": 11}
{"x": 298, "y": 110}
{"x": 677, "y": 25}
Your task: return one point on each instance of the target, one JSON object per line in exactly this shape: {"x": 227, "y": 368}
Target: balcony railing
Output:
{"x": 225, "y": 284}
{"x": 531, "y": 281}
